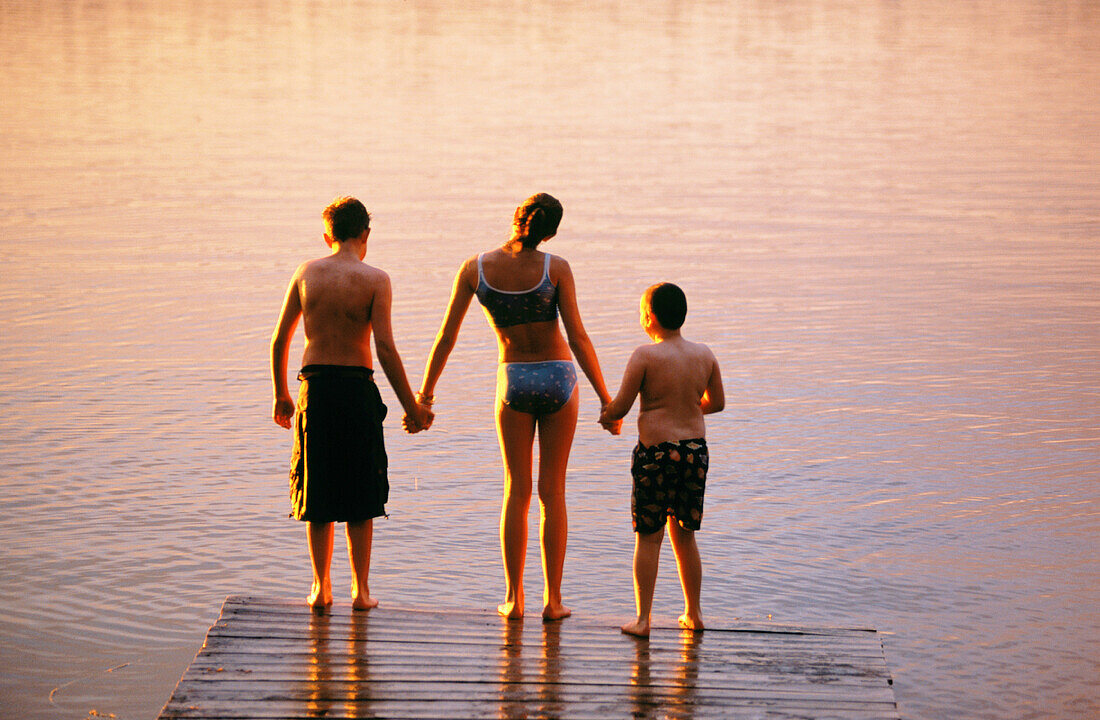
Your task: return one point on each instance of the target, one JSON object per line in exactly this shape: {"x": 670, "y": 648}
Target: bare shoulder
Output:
{"x": 703, "y": 354}
{"x": 559, "y": 268}
{"x": 645, "y": 354}
{"x": 468, "y": 272}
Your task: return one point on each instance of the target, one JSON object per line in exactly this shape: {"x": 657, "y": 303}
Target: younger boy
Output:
{"x": 679, "y": 383}
{"x": 339, "y": 465}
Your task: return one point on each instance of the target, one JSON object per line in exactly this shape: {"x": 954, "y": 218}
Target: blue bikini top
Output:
{"x": 516, "y": 307}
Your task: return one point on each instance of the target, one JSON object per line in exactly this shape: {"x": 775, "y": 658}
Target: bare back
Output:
{"x": 337, "y": 295}
{"x": 676, "y": 375}
{"x": 531, "y": 341}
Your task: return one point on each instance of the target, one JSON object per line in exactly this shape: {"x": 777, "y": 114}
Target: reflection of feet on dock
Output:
{"x": 510, "y": 610}
{"x": 638, "y": 628}
{"x": 691, "y": 622}
{"x": 555, "y": 612}
{"x": 272, "y": 658}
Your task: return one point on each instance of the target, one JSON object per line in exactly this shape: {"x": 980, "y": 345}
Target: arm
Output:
{"x": 283, "y": 408}
{"x": 616, "y": 410}
{"x": 445, "y": 339}
{"x": 579, "y": 342}
{"x": 714, "y": 399}
{"x": 388, "y": 356}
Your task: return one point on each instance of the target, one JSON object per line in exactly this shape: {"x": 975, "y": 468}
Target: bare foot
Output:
{"x": 320, "y": 596}
{"x": 510, "y": 610}
{"x": 693, "y": 622}
{"x": 638, "y": 628}
{"x": 555, "y": 612}
{"x": 362, "y": 601}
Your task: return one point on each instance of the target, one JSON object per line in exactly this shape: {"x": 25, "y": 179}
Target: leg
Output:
{"x": 359, "y": 541}
{"x": 647, "y": 551}
{"x": 320, "y": 556}
{"x": 555, "y": 441}
{"x": 516, "y": 432}
{"x": 690, "y": 568}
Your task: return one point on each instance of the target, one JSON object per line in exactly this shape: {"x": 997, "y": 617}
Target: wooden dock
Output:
{"x": 276, "y": 659}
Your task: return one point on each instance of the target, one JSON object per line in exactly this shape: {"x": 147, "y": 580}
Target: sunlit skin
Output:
{"x": 679, "y": 382}
{"x": 342, "y": 302}
{"x": 516, "y": 267}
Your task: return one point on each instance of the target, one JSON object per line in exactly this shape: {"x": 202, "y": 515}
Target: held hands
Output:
{"x": 423, "y": 417}
{"x": 612, "y": 426}
{"x": 421, "y": 421}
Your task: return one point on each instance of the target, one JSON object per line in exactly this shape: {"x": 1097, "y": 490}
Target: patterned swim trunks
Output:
{"x": 669, "y": 479}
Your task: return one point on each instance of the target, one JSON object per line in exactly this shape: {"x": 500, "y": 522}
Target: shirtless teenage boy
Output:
{"x": 339, "y": 465}
{"x": 679, "y": 382}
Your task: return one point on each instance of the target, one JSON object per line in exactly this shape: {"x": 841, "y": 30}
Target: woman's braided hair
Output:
{"x": 536, "y": 219}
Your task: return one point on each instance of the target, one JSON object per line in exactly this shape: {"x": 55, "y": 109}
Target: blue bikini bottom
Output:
{"x": 537, "y": 388}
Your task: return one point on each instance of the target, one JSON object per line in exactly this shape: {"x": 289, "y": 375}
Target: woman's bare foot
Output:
{"x": 510, "y": 610}
{"x": 361, "y": 599}
{"x": 320, "y": 596}
{"x": 555, "y": 612}
{"x": 691, "y": 621}
{"x": 638, "y": 628}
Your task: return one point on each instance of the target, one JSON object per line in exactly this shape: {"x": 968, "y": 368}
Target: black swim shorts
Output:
{"x": 338, "y": 470}
{"x": 669, "y": 479}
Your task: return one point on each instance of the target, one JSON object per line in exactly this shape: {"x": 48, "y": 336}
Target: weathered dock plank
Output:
{"x": 277, "y": 659}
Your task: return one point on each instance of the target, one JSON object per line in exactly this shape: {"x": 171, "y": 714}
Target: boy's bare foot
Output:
{"x": 319, "y": 596}
{"x": 638, "y": 628}
{"x": 510, "y": 610}
{"x": 555, "y": 612}
{"x": 692, "y": 621}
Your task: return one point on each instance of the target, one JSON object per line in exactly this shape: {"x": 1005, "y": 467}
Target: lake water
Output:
{"x": 885, "y": 216}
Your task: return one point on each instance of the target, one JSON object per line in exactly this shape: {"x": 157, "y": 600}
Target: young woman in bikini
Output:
{"x": 524, "y": 291}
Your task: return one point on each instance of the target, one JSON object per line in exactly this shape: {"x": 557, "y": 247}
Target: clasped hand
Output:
{"x": 612, "y": 426}
{"x": 422, "y": 421}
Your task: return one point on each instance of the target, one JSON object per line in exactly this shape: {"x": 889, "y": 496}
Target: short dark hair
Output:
{"x": 346, "y": 218}
{"x": 537, "y": 219}
{"x": 668, "y": 303}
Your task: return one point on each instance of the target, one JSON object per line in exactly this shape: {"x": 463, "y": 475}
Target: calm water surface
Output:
{"x": 885, "y": 216}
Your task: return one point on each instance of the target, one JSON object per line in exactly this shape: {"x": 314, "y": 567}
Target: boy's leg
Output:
{"x": 647, "y": 551}
{"x": 359, "y": 542}
{"x": 320, "y": 556}
{"x": 690, "y": 568}
{"x": 555, "y": 440}
{"x": 516, "y": 432}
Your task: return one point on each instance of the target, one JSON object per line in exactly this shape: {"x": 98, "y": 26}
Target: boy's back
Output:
{"x": 675, "y": 376}
{"x": 337, "y": 295}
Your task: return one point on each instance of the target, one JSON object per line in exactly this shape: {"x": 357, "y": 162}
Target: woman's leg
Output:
{"x": 555, "y": 441}
{"x": 516, "y": 432}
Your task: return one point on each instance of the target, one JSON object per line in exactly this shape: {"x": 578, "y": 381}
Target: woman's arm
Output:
{"x": 461, "y": 294}
{"x": 579, "y": 342}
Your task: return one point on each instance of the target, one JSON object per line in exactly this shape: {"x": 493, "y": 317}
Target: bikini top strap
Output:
{"x": 546, "y": 268}
{"x": 480, "y": 272}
